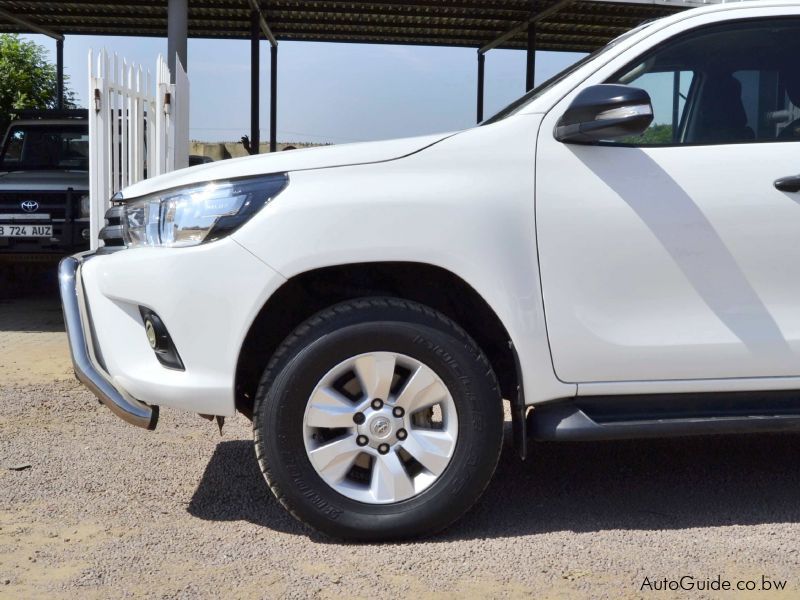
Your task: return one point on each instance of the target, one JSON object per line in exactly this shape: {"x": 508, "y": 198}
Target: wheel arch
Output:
{"x": 305, "y": 294}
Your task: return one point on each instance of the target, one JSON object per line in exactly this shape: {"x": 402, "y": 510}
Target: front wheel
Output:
{"x": 378, "y": 419}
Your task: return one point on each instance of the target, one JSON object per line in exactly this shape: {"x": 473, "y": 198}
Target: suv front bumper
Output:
{"x": 87, "y": 369}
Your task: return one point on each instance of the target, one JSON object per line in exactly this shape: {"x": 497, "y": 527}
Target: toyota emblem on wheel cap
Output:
{"x": 30, "y": 206}
{"x": 380, "y": 427}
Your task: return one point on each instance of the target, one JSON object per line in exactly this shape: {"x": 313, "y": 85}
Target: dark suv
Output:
{"x": 44, "y": 185}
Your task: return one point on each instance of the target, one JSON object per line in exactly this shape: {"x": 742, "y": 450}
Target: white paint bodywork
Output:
{"x": 207, "y": 304}
{"x": 667, "y": 268}
{"x": 324, "y": 157}
{"x": 656, "y": 275}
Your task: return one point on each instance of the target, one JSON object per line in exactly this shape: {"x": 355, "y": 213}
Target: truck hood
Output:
{"x": 280, "y": 162}
{"x": 43, "y": 181}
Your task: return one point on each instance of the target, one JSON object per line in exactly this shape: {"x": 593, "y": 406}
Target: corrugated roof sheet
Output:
{"x": 581, "y": 26}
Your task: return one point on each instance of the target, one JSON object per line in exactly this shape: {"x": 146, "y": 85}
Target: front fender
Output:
{"x": 465, "y": 205}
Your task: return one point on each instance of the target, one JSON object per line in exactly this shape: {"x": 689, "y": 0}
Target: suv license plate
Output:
{"x": 21, "y": 231}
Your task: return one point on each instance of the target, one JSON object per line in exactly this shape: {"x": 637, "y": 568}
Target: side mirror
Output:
{"x": 605, "y": 112}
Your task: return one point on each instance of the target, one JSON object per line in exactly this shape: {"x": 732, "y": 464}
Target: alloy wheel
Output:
{"x": 380, "y": 427}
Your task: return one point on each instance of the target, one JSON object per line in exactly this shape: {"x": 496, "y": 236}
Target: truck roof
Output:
{"x": 53, "y": 113}
{"x": 42, "y": 122}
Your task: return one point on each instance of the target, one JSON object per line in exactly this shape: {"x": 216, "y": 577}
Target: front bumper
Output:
{"x": 207, "y": 297}
{"x": 87, "y": 369}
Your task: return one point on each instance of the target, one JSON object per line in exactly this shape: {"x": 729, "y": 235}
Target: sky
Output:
{"x": 327, "y": 93}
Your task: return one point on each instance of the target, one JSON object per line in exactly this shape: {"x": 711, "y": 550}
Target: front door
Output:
{"x": 672, "y": 255}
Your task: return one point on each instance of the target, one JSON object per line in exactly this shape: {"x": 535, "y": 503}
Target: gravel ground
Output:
{"x": 100, "y": 509}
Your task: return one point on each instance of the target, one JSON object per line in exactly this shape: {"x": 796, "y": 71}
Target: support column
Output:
{"x": 255, "y": 38}
{"x": 676, "y": 103}
{"x": 530, "y": 64}
{"x": 177, "y": 34}
{"x": 481, "y": 77}
{"x": 273, "y": 99}
{"x": 60, "y": 74}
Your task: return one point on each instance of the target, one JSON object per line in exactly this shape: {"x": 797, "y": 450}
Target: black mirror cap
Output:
{"x": 604, "y": 112}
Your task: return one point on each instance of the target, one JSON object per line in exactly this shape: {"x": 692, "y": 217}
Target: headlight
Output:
{"x": 85, "y": 206}
{"x": 199, "y": 213}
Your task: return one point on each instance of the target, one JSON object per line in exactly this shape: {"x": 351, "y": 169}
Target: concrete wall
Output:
{"x": 223, "y": 150}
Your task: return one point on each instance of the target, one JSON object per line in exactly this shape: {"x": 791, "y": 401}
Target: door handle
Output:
{"x": 788, "y": 184}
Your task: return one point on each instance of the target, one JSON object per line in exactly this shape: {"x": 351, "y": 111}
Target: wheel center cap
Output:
{"x": 380, "y": 427}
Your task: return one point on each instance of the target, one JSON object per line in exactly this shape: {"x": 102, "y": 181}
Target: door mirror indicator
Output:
{"x": 605, "y": 112}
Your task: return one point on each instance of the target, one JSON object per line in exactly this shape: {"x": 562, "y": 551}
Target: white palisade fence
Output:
{"x": 138, "y": 127}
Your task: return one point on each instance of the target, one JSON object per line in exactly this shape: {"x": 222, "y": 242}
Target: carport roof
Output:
{"x": 582, "y": 25}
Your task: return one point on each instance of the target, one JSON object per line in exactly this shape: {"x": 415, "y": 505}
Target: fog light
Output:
{"x": 159, "y": 340}
{"x": 150, "y": 331}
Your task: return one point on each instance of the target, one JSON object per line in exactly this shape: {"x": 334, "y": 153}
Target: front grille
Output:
{"x": 59, "y": 208}
{"x": 59, "y": 205}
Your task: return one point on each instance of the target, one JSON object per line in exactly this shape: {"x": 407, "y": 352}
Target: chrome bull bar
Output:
{"x": 87, "y": 370}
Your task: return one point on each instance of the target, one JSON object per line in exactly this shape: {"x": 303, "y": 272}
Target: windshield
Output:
{"x": 33, "y": 146}
{"x": 543, "y": 87}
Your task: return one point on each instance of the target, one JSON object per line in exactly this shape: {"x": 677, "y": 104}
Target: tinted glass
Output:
{"x": 31, "y": 147}
{"x": 733, "y": 83}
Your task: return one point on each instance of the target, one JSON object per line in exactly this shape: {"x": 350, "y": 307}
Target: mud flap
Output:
{"x": 518, "y": 411}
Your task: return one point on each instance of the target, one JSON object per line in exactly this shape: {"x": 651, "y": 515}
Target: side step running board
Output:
{"x": 568, "y": 422}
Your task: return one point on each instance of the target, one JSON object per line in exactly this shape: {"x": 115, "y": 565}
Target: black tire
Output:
{"x": 349, "y": 329}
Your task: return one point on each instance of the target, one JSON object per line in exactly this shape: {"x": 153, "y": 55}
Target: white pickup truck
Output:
{"x": 617, "y": 254}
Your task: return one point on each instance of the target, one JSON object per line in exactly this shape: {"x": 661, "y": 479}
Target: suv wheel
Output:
{"x": 378, "y": 419}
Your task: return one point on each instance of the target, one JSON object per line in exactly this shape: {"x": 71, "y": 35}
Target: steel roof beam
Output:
{"x": 618, "y": 23}
{"x": 263, "y": 22}
{"x": 345, "y": 38}
{"x": 514, "y": 31}
{"x": 582, "y": 24}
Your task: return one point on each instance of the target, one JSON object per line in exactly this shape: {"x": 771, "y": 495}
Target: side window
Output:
{"x": 731, "y": 83}
{"x": 668, "y": 92}
{"x": 14, "y": 147}
{"x": 767, "y": 104}
{"x": 75, "y": 150}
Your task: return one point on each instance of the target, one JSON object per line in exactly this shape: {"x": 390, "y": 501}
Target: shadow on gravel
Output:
{"x": 233, "y": 489}
{"x": 582, "y": 487}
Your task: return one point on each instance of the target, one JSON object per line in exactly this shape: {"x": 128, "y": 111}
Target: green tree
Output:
{"x": 27, "y": 79}
{"x": 655, "y": 135}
